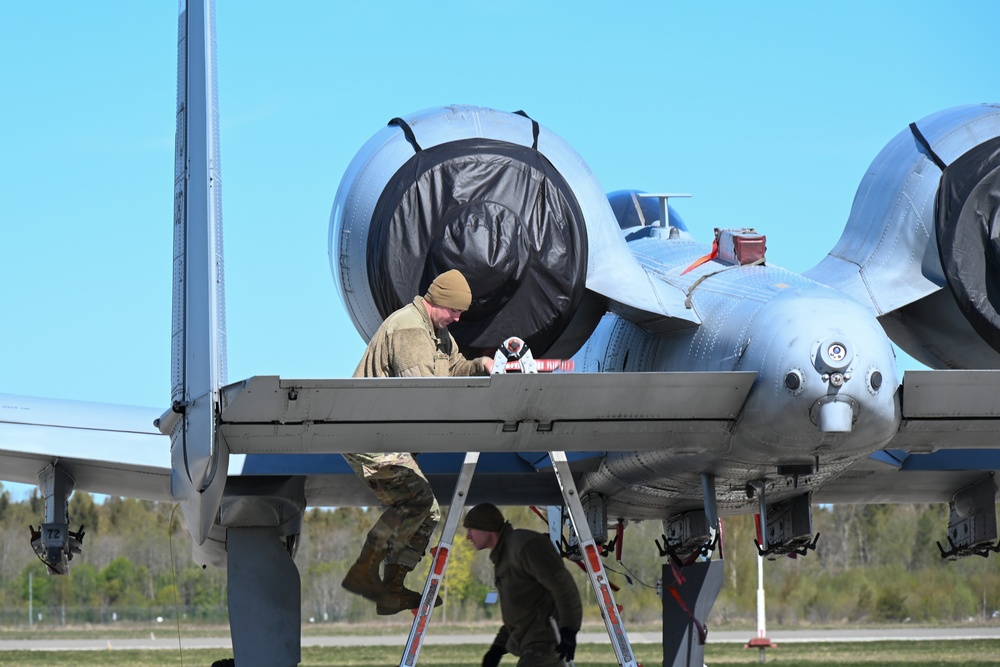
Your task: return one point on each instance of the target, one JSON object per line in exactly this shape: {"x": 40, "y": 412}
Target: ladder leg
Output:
{"x": 592, "y": 562}
{"x": 440, "y": 562}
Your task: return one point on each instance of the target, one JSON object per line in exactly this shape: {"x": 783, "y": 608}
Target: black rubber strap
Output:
{"x": 407, "y": 132}
{"x": 534, "y": 129}
{"x": 927, "y": 146}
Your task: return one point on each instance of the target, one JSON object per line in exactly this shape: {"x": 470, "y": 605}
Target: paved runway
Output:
{"x": 165, "y": 641}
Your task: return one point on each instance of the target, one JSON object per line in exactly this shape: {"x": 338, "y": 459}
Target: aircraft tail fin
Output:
{"x": 198, "y": 355}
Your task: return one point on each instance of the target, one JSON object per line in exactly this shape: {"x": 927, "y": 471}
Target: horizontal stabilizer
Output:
{"x": 111, "y": 449}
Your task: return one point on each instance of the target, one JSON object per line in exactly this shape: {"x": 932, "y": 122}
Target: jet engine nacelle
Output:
{"x": 490, "y": 193}
{"x": 922, "y": 244}
{"x": 505, "y": 201}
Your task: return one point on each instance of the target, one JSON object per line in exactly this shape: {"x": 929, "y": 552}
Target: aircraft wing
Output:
{"x": 950, "y": 410}
{"x": 105, "y": 448}
{"x": 949, "y": 438}
{"x": 949, "y": 435}
{"x": 500, "y": 413}
{"x": 116, "y": 450}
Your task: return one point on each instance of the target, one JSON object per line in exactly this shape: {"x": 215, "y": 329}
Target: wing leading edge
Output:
{"x": 948, "y": 439}
{"x": 502, "y": 413}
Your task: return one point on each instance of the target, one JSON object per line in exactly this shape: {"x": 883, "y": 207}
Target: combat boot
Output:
{"x": 402, "y": 598}
{"x": 362, "y": 579}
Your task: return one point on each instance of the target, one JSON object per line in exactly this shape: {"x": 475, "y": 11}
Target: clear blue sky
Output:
{"x": 768, "y": 113}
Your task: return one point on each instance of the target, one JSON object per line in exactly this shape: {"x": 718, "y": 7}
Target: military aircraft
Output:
{"x": 708, "y": 381}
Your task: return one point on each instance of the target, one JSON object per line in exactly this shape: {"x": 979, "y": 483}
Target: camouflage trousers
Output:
{"x": 411, "y": 510}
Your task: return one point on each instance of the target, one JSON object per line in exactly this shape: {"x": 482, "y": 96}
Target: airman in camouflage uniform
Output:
{"x": 535, "y": 590}
{"x": 412, "y": 342}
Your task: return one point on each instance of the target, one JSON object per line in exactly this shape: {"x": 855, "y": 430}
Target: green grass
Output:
{"x": 964, "y": 653}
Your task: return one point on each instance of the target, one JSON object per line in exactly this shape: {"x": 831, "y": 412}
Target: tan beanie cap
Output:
{"x": 450, "y": 290}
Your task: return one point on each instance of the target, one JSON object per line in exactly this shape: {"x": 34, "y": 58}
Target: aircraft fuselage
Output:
{"x": 825, "y": 393}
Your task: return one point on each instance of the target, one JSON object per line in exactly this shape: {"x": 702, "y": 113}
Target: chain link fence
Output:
{"x": 45, "y": 616}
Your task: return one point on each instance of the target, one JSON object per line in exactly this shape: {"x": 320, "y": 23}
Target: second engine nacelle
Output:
{"x": 922, "y": 243}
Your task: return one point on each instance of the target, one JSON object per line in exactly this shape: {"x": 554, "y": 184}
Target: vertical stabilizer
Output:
{"x": 198, "y": 358}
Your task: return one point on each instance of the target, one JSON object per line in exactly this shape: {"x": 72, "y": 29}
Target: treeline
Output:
{"x": 874, "y": 563}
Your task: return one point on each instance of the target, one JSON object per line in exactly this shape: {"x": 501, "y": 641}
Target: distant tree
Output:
{"x": 203, "y": 589}
{"x": 931, "y": 527}
{"x": 166, "y": 596}
{"x": 35, "y": 583}
{"x": 4, "y": 503}
{"x": 36, "y": 503}
{"x": 891, "y": 605}
{"x": 84, "y": 511}
{"x": 86, "y": 581}
{"x": 464, "y": 588}
{"x": 124, "y": 583}
{"x": 321, "y": 588}
{"x": 740, "y": 561}
{"x": 865, "y": 601}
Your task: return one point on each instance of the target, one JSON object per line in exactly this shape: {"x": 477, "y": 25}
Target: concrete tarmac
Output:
{"x": 166, "y": 641}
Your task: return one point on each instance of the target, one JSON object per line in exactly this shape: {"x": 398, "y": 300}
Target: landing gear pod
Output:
{"x": 473, "y": 189}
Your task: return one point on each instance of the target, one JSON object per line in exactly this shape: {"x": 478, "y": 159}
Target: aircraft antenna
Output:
{"x": 664, "y": 208}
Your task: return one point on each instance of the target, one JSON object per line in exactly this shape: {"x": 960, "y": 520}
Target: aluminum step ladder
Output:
{"x": 440, "y": 563}
{"x": 515, "y": 354}
{"x": 592, "y": 563}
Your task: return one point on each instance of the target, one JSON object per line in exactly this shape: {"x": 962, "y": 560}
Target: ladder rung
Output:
{"x": 592, "y": 563}
{"x": 440, "y": 563}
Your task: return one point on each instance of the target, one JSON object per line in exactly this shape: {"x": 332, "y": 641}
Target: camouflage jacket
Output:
{"x": 408, "y": 345}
